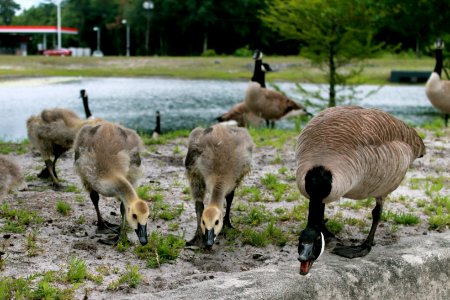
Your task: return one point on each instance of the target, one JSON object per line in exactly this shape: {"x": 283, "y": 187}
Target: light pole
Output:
{"x": 148, "y": 6}
{"x": 124, "y": 21}
{"x": 58, "y": 21}
{"x": 96, "y": 28}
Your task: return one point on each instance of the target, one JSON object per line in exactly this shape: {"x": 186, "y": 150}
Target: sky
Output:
{"x": 25, "y": 4}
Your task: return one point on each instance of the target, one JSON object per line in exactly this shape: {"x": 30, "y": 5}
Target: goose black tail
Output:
{"x": 318, "y": 182}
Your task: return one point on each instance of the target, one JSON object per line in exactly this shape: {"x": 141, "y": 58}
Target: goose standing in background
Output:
{"x": 438, "y": 90}
{"x": 84, "y": 97}
{"x": 108, "y": 162}
{"x": 351, "y": 152}
{"x": 52, "y": 133}
{"x": 271, "y": 105}
{"x": 10, "y": 176}
{"x": 242, "y": 115}
{"x": 259, "y": 72}
{"x": 217, "y": 160}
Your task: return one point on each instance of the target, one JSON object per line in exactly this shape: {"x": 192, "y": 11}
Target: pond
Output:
{"x": 182, "y": 103}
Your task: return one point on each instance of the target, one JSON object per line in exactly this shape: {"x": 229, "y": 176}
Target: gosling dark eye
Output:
{"x": 203, "y": 222}
{"x": 217, "y": 222}
{"x": 134, "y": 216}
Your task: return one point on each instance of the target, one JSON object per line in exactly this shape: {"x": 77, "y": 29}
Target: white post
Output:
{"x": 124, "y": 21}
{"x": 58, "y": 17}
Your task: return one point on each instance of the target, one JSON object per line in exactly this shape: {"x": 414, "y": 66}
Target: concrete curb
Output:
{"x": 414, "y": 268}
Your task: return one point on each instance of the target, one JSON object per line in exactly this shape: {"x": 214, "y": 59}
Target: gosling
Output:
{"x": 108, "y": 162}
{"x": 11, "y": 176}
{"x": 217, "y": 160}
{"x": 52, "y": 133}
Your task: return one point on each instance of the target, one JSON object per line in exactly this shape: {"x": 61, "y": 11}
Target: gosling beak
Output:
{"x": 308, "y": 113}
{"x": 141, "y": 232}
{"x": 209, "y": 238}
{"x": 304, "y": 257}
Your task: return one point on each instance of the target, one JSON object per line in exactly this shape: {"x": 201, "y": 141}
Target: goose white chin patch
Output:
{"x": 323, "y": 245}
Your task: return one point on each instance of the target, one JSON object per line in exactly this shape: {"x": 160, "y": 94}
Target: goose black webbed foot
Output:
{"x": 113, "y": 241}
{"x": 107, "y": 228}
{"x": 44, "y": 174}
{"x": 353, "y": 251}
{"x": 197, "y": 241}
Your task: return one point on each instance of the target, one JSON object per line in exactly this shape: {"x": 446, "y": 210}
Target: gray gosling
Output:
{"x": 52, "y": 133}
{"x": 351, "y": 152}
{"x": 108, "y": 162}
{"x": 438, "y": 90}
{"x": 217, "y": 160}
{"x": 11, "y": 176}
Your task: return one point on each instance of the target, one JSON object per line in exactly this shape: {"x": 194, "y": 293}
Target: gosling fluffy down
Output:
{"x": 11, "y": 176}
{"x": 218, "y": 158}
{"x": 108, "y": 161}
{"x": 52, "y": 133}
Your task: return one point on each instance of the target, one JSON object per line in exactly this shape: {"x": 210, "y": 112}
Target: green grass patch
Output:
{"x": 270, "y": 235}
{"x": 165, "y": 138}
{"x": 160, "y": 249}
{"x": 76, "y": 270}
{"x": 165, "y": 211}
{"x": 401, "y": 219}
{"x": 273, "y": 184}
{"x": 255, "y": 215}
{"x": 254, "y": 193}
{"x": 277, "y": 138}
{"x": 131, "y": 277}
{"x": 17, "y": 220}
{"x": 63, "y": 208}
{"x": 17, "y": 148}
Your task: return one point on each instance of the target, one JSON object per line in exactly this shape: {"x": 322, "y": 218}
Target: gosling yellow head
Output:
{"x": 211, "y": 225}
{"x": 137, "y": 216}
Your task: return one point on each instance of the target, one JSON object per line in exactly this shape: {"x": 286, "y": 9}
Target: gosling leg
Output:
{"x": 122, "y": 234}
{"x": 446, "y": 120}
{"x": 50, "y": 168}
{"x": 103, "y": 227}
{"x": 366, "y": 246}
{"x": 226, "y": 218}
{"x": 198, "y": 239}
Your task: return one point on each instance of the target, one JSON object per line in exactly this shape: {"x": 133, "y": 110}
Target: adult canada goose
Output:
{"x": 270, "y": 105}
{"x": 218, "y": 158}
{"x": 10, "y": 176}
{"x": 242, "y": 115}
{"x": 351, "y": 152}
{"x": 259, "y": 72}
{"x": 108, "y": 162}
{"x": 157, "y": 131}
{"x": 84, "y": 97}
{"x": 438, "y": 90}
{"x": 52, "y": 133}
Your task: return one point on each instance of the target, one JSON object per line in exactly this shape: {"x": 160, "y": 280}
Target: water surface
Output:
{"x": 182, "y": 103}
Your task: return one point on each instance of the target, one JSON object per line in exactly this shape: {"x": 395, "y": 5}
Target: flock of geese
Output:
{"x": 345, "y": 151}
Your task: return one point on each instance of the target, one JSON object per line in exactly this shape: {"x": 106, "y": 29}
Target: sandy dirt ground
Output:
{"x": 60, "y": 237}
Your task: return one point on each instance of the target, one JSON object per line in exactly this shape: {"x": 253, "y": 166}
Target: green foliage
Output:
{"x": 9, "y": 147}
{"x": 271, "y": 234}
{"x": 163, "y": 210}
{"x": 131, "y": 278}
{"x": 332, "y": 36}
{"x": 32, "y": 248}
{"x": 14, "y": 288}
{"x": 273, "y": 184}
{"x": 77, "y": 270}
{"x": 255, "y": 215}
{"x": 209, "y": 52}
{"x": 166, "y": 137}
{"x": 335, "y": 226}
{"x": 253, "y": 192}
{"x": 17, "y": 220}
{"x": 63, "y": 208}
{"x": 277, "y": 138}
{"x": 402, "y": 219}
{"x": 160, "y": 249}
{"x": 243, "y": 52}
{"x": 143, "y": 191}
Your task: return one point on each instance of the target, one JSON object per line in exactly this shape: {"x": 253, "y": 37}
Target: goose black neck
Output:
{"x": 158, "y": 123}
{"x": 438, "y": 66}
{"x": 258, "y": 74}
{"x": 318, "y": 184}
{"x": 84, "y": 96}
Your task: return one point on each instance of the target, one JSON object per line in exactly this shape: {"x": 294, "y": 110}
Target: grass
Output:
{"x": 165, "y": 211}
{"x": 165, "y": 138}
{"x": 277, "y": 138}
{"x": 17, "y": 148}
{"x": 273, "y": 184}
{"x": 160, "y": 249}
{"x": 131, "y": 277}
{"x": 255, "y": 216}
{"x": 17, "y": 220}
{"x": 77, "y": 270}
{"x": 31, "y": 245}
{"x": 401, "y": 219}
{"x": 63, "y": 208}
{"x": 271, "y": 234}
{"x": 289, "y": 68}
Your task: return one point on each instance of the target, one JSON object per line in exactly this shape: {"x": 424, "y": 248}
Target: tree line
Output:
{"x": 195, "y": 27}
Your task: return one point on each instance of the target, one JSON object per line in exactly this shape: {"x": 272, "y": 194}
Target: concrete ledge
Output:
{"x": 413, "y": 268}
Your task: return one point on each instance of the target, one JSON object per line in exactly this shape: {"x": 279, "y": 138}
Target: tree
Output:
{"x": 333, "y": 34}
{"x": 8, "y": 9}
